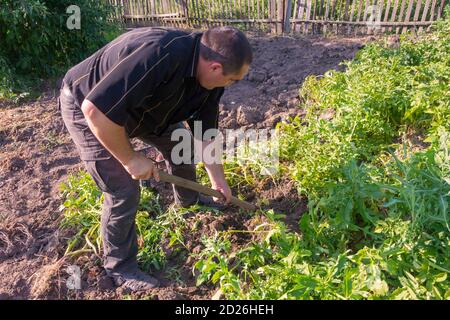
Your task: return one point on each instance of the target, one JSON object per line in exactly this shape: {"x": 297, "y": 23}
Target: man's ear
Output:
{"x": 216, "y": 66}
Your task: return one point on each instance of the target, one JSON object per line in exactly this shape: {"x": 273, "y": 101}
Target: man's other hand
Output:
{"x": 223, "y": 188}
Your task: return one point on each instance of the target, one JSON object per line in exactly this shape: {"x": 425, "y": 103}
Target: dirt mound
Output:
{"x": 269, "y": 93}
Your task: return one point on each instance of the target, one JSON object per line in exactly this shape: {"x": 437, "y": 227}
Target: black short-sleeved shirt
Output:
{"x": 145, "y": 80}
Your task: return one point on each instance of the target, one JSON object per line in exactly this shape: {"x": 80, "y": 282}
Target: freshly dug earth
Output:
{"x": 36, "y": 155}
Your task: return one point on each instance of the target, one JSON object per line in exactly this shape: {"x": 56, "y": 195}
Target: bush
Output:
{"x": 36, "y": 43}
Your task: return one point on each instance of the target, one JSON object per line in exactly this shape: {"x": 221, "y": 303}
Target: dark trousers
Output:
{"x": 121, "y": 192}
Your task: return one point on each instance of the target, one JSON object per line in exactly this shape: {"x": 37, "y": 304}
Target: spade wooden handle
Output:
{"x": 188, "y": 184}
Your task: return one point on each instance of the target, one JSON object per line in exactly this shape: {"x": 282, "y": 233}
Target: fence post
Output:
{"x": 280, "y": 16}
{"x": 184, "y": 6}
{"x": 408, "y": 14}
{"x": 273, "y": 16}
{"x": 287, "y": 16}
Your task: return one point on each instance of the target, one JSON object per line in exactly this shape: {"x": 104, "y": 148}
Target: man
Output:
{"x": 144, "y": 84}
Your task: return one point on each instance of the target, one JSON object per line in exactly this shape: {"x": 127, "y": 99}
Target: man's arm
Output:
{"x": 113, "y": 137}
{"x": 216, "y": 175}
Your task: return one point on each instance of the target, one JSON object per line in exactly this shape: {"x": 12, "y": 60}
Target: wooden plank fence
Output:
{"x": 285, "y": 16}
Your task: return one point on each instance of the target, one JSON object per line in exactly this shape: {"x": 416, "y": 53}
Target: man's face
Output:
{"x": 215, "y": 78}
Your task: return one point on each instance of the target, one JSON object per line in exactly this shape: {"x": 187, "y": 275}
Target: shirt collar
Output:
{"x": 192, "y": 67}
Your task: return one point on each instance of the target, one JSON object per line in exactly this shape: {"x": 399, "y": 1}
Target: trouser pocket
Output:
{"x": 111, "y": 177}
{"x": 88, "y": 146}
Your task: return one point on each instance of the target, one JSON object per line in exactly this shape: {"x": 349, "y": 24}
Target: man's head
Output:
{"x": 225, "y": 56}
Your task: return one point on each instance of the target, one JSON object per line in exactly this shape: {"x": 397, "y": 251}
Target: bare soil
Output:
{"x": 37, "y": 154}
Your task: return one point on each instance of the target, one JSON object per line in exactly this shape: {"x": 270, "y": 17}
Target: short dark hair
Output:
{"x": 228, "y": 46}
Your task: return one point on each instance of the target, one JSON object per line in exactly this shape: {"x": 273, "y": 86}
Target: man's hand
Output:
{"x": 223, "y": 188}
{"x": 141, "y": 168}
{"x": 216, "y": 173}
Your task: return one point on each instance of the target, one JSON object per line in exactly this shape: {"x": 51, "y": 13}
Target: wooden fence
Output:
{"x": 285, "y": 16}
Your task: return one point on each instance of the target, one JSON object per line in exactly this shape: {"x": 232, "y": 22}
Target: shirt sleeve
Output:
{"x": 208, "y": 114}
{"x": 131, "y": 80}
